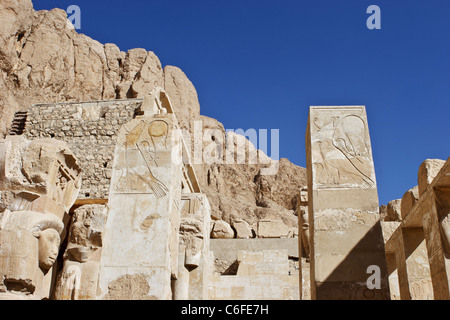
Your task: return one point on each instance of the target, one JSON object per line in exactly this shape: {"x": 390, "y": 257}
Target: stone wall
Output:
{"x": 90, "y": 129}
{"x": 227, "y": 249}
{"x": 262, "y": 275}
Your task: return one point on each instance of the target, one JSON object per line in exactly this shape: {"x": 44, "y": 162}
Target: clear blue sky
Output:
{"x": 261, "y": 64}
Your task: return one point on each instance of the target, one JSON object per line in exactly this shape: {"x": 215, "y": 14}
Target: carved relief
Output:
{"x": 193, "y": 260}
{"x": 192, "y": 231}
{"x": 40, "y": 175}
{"x": 39, "y": 182}
{"x": 142, "y": 145}
{"x": 29, "y": 246}
{"x": 78, "y": 278}
{"x": 343, "y": 157}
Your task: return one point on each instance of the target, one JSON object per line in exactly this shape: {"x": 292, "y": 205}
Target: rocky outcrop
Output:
{"x": 43, "y": 59}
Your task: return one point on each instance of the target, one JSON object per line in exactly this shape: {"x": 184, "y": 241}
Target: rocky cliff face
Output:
{"x": 43, "y": 59}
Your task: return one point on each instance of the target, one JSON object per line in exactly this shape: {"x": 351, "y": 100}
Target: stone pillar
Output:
{"x": 39, "y": 182}
{"x": 394, "y": 287}
{"x": 346, "y": 240}
{"x": 194, "y": 267}
{"x": 435, "y": 242}
{"x": 78, "y": 278}
{"x": 402, "y": 270}
{"x": 303, "y": 242}
{"x": 140, "y": 249}
{"x": 180, "y": 285}
{"x": 417, "y": 266}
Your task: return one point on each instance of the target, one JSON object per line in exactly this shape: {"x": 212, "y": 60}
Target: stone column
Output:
{"x": 140, "y": 249}
{"x": 402, "y": 270}
{"x": 435, "y": 243}
{"x": 415, "y": 276}
{"x": 39, "y": 182}
{"x": 180, "y": 285}
{"x": 303, "y": 242}
{"x": 194, "y": 267}
{"x": 394, "y": 287}
{"x": 346, "y": 239}
{"x": 78, "y": 278}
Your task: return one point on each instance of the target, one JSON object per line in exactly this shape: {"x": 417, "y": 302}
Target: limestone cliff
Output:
{"x": 44, "y": 59}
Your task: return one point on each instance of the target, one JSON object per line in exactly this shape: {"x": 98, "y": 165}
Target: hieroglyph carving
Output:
{"x": 142, "y": 230}
{"x": 341, "y": 148}
{"x": 141, "y": 144}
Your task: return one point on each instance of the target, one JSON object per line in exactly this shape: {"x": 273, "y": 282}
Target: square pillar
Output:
{"x": 413, "y": 267}
{"x": 435, "y": 248}
{"x": 140, "y": 255}
{"x": 346, "y": 242}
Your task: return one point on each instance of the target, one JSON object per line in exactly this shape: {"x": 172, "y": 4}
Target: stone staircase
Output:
{"x": 18, "y": 124}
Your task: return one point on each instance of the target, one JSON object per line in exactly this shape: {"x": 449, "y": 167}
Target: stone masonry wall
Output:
{"x": 90, "y": 129}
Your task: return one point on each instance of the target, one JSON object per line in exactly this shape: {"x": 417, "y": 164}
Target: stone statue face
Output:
{"x": 48, "y": 248}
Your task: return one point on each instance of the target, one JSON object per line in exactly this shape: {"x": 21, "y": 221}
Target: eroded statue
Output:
{"x": 78, "y": 278}
{"x": 39, "y": 182}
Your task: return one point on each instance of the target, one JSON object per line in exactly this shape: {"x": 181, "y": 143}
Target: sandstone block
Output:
{"x": 272, "y": 229}
{"x": 409, "y": 200}
{"x": 427, "y": 171}
{"x": 393, "y": 210}
{"x": 243, "y": 229}
{"x": 222, "y": 230}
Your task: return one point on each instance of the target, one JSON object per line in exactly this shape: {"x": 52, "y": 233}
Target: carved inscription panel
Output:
{"x": 144, "y": 148}
{"x": 340, "y": 147}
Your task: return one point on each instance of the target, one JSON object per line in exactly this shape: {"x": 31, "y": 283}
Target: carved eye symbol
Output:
{"x": 157, "y": 128}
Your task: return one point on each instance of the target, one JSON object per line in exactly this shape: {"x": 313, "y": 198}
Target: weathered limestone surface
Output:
{"x": 43, "y": 59}
{"x": 417, "y": 251}
{"x": 144, "y": 207}
{"x": 39, "y": 182}
{"x": 409, "y": 200}
{"x": 427, "y": 172}
{"x": 272, "y": 229}
{"x": 345, "y": 232}
{"x": 418, "y": 285}
{"x": 79, "y": 276}
{"x": 90, "y": 129}
{"x": 243, "y": 229}
{"x": 261, "y": 275}
{"x": 222, "y": 230}
{"x": 194, "y": 261}
{"x": 393, "y": 210}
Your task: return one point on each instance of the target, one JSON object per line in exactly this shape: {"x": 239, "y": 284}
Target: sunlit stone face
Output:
{"x": 49, "y": 241}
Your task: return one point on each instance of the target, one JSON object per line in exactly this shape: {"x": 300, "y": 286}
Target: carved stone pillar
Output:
{"x": 78, "y": 278}
{"x": 39, "y": 182}
{"x": 140, "y": 247}
{"x": 346, "y": 238}
{"x": 194, "y": 271}
{"x": 436, "y": 229}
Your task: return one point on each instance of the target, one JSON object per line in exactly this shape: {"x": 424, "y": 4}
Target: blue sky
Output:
{"x": 261, "y": 64}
